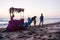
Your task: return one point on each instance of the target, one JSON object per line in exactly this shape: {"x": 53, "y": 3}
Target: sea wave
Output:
{"x": 5, "y": 21}
{"x": 4, "y": 24}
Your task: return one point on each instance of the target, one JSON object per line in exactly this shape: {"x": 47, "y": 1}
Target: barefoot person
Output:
{"x": 41, "y": 20}
{"x": 29, "y": 20}
{"x": 35, "y": 22}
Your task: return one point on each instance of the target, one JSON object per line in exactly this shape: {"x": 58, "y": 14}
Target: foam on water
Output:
{"x": 4, "y": 21}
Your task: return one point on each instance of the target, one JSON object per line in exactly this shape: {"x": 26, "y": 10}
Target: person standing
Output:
{"x": 41, "y": 20}
{"x": 29, "y": 19}
{"x": 35, "y": 22}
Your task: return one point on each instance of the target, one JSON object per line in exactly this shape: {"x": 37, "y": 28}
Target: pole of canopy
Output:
{"x": 12, "y": 3}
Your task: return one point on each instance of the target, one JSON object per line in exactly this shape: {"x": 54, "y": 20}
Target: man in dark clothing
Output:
{"x": 41, "y": 19}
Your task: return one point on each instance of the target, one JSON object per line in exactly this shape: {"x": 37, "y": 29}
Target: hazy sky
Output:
{"x": 50, "y": 8}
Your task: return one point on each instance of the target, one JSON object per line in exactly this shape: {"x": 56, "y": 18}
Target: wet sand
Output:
{"x": 47, "y": 32}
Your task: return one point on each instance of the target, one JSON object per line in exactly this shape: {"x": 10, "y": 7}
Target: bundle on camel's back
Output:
{"x": 12, "y": 10}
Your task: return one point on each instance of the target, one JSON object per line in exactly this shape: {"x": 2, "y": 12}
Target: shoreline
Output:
{"x": 53, "y": 23}
{"x": 48, "y": 31}
{"x": 49, "y": 24}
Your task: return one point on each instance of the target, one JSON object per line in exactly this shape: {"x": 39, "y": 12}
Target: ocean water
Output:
{"x": 4, "y": 21}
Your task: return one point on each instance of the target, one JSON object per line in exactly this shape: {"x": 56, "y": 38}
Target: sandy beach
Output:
{"x": 47, "y": 32}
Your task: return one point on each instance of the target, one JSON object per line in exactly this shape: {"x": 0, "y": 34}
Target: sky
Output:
{"x": 49, "y": 8}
